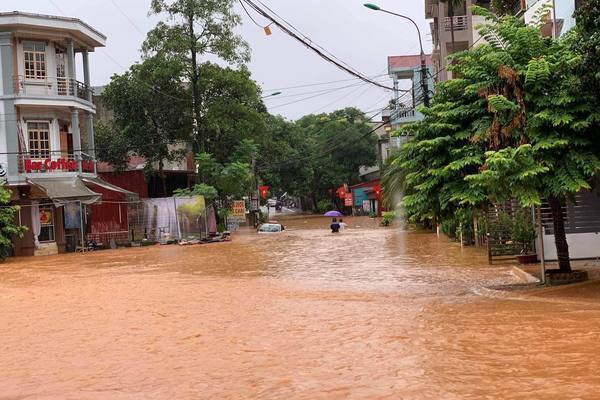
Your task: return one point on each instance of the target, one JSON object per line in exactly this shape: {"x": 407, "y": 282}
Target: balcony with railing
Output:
{"x": 460, "y": 23}
{"x": 44, "y": 163}
{"x": 52, "y": 87}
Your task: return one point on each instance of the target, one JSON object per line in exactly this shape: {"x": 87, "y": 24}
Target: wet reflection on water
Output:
{"x": 371, "y": 313}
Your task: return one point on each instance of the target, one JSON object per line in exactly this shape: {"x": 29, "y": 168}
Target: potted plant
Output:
{"x": 523, "y": 233}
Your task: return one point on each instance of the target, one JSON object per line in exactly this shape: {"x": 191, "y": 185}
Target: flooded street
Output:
{"x": 371, "y": 313}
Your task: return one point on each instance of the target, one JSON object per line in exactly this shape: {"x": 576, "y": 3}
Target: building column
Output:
{"x": 91, "y": 144}
{"x": 86, "y": 74}
{"x": 76, "y": 136}
{"x": 71, "y": 72}
{"x": 9, "y": 141}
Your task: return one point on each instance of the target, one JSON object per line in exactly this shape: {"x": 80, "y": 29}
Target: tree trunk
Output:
{"x": 560, "y": 237}
{"x": 198, "y": 144}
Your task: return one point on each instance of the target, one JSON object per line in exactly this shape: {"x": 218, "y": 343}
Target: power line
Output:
{"x": 310, "y": 45}
{"x": 127, "y": 18}
{"x": 250, "y": 16}
{"x": 322, "y": 83}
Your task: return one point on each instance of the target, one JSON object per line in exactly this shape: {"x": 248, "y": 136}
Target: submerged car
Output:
{"x": 271, "y": 228}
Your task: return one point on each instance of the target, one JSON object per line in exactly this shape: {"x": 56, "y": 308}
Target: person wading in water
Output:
{"x": 335, "y": 227}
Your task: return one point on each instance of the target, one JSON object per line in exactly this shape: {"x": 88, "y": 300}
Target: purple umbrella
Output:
{"x": 333, "y": 214}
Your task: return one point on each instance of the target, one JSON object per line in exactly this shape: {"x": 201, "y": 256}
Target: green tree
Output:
{"x": 194, "y": 29}
{"x": 587, "y": 45}
{"x": 280, "y": 160}
{"x": 340, "y": 143}
{"x": 8, "y": 228}
{"x": 149, "y": 118}
{"x": 505, "y": 7}
{"x": 513, "y": 125}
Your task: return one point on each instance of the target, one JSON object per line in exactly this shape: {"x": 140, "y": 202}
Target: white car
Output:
{"x": 272, "y": 202}
{"x": 271, "y": 228}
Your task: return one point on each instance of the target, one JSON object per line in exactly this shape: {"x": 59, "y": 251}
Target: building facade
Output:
{"x": 47, "y": 155}
{"x": 460, "y": 23}
{"x": 559, "y": 17}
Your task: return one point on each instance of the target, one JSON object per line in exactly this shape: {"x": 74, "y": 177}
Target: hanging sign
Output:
{"x": 239, "y": 209}
{"x": 264, "y": 190}
{"x": 348, "y": 200}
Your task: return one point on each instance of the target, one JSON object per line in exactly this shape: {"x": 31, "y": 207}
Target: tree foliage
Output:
{"x": 8, "y": 228}
{"x": 150, "y": 117}
{"x": 587, "y": 44}
{"x": 513, "y": 125}
{"x": 318, "y": 153}
{"x": 193, "y": 29}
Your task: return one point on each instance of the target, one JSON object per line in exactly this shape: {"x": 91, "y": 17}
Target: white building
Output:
{"x": 46, "y": 126}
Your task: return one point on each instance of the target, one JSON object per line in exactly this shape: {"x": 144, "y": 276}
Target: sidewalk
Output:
{"x": 583, "y": 291}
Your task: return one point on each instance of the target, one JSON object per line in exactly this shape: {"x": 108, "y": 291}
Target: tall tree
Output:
{"x": 340, "y": 142}
{"x": 513, "y": 125}
{"x": 587, "y": 44}
{"x": 150, "y": 116}
{"x": 194, "y": 29}
{"x": 231, "y": 110}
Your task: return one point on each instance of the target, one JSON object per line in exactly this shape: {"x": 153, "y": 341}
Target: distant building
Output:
{"x": 559, "y": 18}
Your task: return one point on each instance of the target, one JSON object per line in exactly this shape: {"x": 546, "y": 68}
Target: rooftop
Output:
{"x": 79, "y": 30}
{"x": 413, "y": 61}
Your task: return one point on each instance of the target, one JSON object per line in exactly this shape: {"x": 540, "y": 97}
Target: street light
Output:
{"x": 424, "y": 84}
{"x": 271, "y": 95}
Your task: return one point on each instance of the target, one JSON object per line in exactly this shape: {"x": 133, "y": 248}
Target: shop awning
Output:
{"x": 65, "y": 190}
{"x": 109, "y": 186}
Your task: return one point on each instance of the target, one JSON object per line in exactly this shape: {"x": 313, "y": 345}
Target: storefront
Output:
{"x": 367, "y": 198}
{"x": 54, "y": 210}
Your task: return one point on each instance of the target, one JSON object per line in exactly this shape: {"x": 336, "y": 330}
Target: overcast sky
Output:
{"x": 360, "y": 37}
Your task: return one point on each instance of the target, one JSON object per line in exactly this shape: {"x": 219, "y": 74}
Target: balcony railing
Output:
{"x": 52, "y": 86}
{"x": 461, "y": 23}
{"x": 404, "y": 113}
{"x": 53, "y": 162}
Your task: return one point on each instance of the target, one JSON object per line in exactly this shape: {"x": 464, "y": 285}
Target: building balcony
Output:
{"x": 461, "y": 23}
{"x": 404, "y": 115}
{"x": 60, "y": 88}
{"x": 55, "y": 163}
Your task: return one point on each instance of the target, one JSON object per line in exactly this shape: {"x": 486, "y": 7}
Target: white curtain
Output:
{"x": 36, "y": 226}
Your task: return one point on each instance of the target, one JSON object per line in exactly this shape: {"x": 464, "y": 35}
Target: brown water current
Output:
{"x": 371, "y": 313}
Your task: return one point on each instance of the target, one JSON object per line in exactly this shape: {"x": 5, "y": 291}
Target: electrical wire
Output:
{"x": 250, "y": 16}
{"x": 311, "y": 46}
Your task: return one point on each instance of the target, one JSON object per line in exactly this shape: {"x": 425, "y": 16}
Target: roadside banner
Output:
{"x": 239, "y": 209}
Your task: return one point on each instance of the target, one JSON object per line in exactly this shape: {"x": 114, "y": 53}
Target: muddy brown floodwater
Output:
{"x": 371, "y": 313}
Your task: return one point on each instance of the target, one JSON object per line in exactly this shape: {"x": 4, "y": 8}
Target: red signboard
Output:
{"x": 60, "y": 164}
{"x": 264, "y": 190}
{"x": 348, "y": 200}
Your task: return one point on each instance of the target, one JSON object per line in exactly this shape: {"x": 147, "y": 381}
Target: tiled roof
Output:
{"x": 413, "y": 61}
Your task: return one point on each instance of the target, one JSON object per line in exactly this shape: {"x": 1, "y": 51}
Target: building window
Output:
{"x": 35, "y": 60}
{"x": 39, "y": 139}
{"x": 46, "y": 224}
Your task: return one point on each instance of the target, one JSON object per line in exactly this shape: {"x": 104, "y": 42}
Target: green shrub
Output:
{"x": 323, "y": 206}
{"x": 388, "y": 218}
